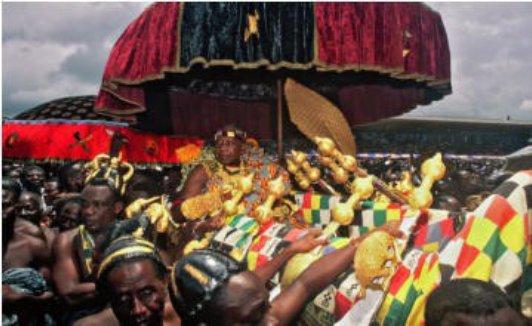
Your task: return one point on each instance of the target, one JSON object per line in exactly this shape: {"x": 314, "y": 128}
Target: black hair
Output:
{"x": 24, "y": 174}
{"x": 12, "y": 185}
{"x": 53, "y": 179}
{"x": 142, "y": 182}
{"x": 37, "y": 196}
{"x": 191, "y": 297}
{"x": 59, "y": 204}
{"x": 103, "y": 285}
{"x": 67, "y": 171}
{"x": 467, "y": 296}
{"x": 98, "y": 182}
{"x": 27, "y": 168}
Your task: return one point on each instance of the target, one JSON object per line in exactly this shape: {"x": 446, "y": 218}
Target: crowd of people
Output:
{"x": 448, "y": 141}
{"x": 70, "y": 256}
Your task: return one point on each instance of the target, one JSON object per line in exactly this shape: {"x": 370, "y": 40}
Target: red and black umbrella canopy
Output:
{"x": 68, "y": 129}
{"x": 188, "y": 68}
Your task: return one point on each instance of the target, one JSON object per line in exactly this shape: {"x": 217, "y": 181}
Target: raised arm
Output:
{"x": 65, "y": 273}
{"x": 305, "y": 244}
{"x": 321, "y": 273}
{"x": 194, "y": 185}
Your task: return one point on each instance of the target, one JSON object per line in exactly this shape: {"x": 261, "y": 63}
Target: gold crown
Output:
{"x": 112, "y": 169}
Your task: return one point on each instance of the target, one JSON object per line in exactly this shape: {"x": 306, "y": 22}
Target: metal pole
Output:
{"x": 280, "y": 118}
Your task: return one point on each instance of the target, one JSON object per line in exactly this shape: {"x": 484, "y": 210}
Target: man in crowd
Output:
{"x": 72, "y": 178}
{"x": 470, "y": 302}
{"x": 30, "y": 243}
{"x": 32, "y": 178}
{"x": 214, "y": 176}
{"x": 209, "y": 287}
{"x": 134, "y": 278}
{"x": 10, "y": 193}
{"x": 52, "y": 190}
{"x": 26, "y": 256}
{"x": 77, "y": 251}
{"x": 68, "y": 215}
{"x": 228, "y": 145}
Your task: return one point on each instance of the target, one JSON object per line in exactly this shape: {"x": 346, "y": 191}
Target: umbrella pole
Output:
{"x": 280, "y": 118}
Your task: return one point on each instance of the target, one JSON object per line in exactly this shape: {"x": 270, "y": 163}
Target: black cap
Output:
{"x": 196, "y": 278}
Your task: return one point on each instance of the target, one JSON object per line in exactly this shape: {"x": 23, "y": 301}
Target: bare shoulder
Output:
{"x": 269, "y": 320}
{"x": 199, "y": 171}
{"x": 105, "y": 317}
{"x": 49, "y": 233}
{"x": 30, "y": 235}
{"x": 63, "y": 241}
{"x": 26, "y": 228}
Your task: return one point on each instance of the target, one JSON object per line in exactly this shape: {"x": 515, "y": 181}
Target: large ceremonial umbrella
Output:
{"x": 188, "y": 68}
{"x": 68, "y": 129}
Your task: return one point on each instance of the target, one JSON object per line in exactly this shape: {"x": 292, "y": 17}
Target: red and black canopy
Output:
{"x": 190, "y": 67}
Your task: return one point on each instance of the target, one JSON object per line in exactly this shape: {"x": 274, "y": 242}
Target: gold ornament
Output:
{"x": 361, "y": 188}
{"x": 340, "y": 175}
{"x": 375, "y": 261}
{"x": 303, "y": 172}
{"x": 243, "y": 186}
{"x": 156, "y": 211}
{"x": 159, "y": 215}
{"x": 330, "y": 157}
{"x": 325, "y": 146}
{"x": 198, "y": 244}
{"x": 110, "y": 168}
{"x": 405, "y": 186}
{"x": 201, "y": 205}
{"x": 139, "y": 205}
{"x": 348, "y": 162}
{"x": 381, "y": 198}
{"x": 298, "y": 157}
{"x": 253, "y": 26}
{"x": 432, "y": 170}
{"x": 276, "y": 189}
{"x": 300, "y": 262}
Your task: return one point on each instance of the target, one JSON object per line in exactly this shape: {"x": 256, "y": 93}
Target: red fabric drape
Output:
{"x": 372, "y": 36}
{"x": 366, "y": 103}
{"x": 403, "y": 40}
{"x": 201, "y": 115}
{"x": 57, "y": 141}
{"x": 146, "y": 49}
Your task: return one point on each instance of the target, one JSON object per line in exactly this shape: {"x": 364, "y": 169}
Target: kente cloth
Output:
{"x": 333, "y": 302}
{"x": 246, "y": 241}
{"x": 265, "y": 169}
{"x": 493, "y": 245}
{"x": 236, "y": 236}
{"x": 434, "y": 236}
{"x": 85, "y": 247}
{"x": 28, "y": 281}
{"x": 316, "y": 211}
{"x": 416, "y": 276}
{"x": 316, "y": 208}
{"x": 270, "y": 242}
{"x": 341, "y": 297}
{"x": 373, "y": 214}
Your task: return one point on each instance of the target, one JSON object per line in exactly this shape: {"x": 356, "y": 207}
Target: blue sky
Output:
{"x": 53, "y": 50}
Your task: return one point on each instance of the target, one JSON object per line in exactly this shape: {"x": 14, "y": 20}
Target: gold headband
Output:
{"x": 123, "y": 252}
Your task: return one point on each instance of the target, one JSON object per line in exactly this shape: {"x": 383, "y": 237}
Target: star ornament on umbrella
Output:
{"x": 81, "y": 141}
